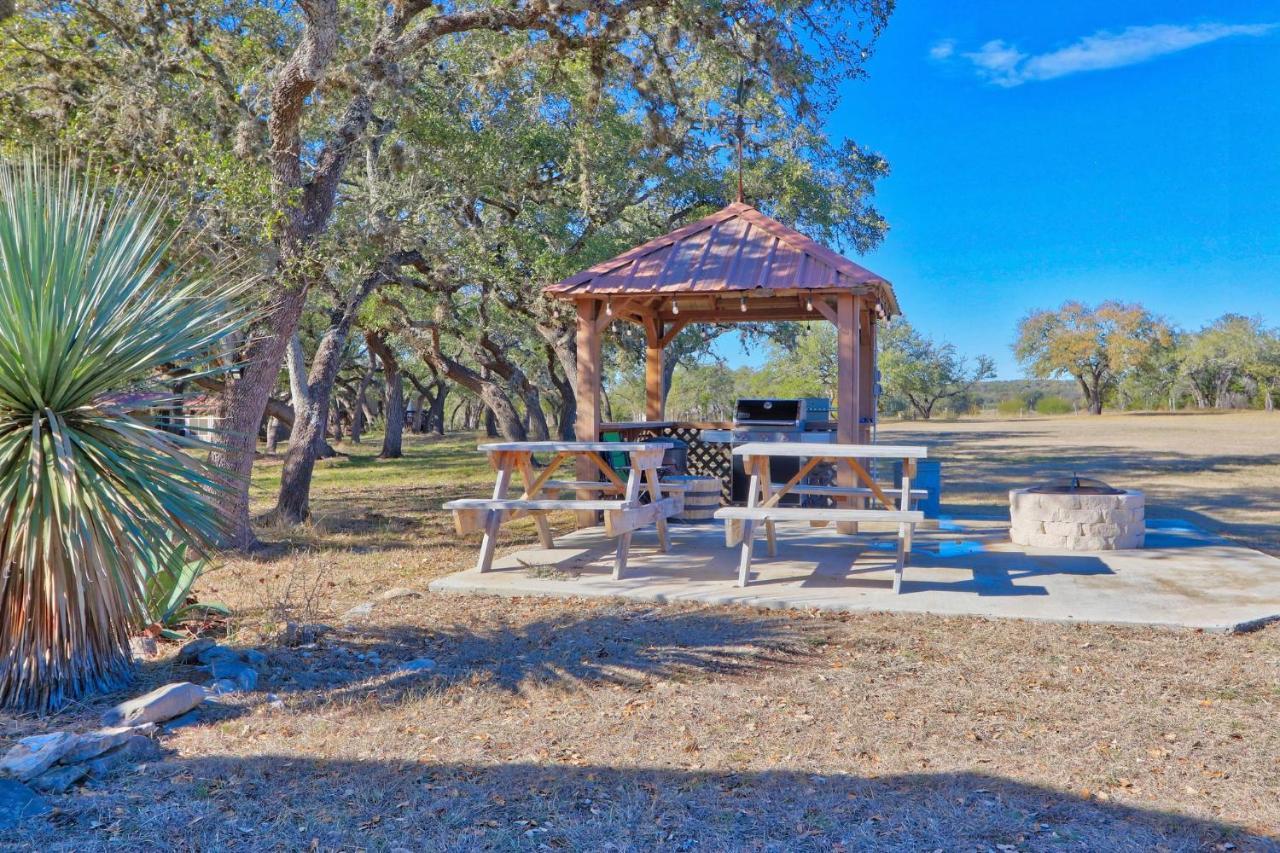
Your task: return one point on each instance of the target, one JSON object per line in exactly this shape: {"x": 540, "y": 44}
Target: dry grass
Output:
{"x": 588, "y": 724}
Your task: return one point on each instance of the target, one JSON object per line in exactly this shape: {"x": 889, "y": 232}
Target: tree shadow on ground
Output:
{"x": 620, "y": 645}
{"x": 270, "y": 802}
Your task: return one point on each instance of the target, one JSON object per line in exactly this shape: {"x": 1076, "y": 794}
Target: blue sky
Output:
{"x": 1088, "y": 150}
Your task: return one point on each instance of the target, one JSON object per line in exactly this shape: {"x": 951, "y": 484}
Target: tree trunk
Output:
{"x": 568, "y": 411}
{"x": 435, "y": 418}
{"x": 360, "y": 407}
{"x": 240, "y": 408}
{"x": 393, "y": 406}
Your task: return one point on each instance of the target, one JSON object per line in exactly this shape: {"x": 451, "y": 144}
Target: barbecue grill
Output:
{"x": 802, "y": 419}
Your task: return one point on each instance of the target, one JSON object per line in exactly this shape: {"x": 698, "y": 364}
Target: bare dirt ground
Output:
{"x": 1217, "y": 471}
{"x": 593, "y": 725}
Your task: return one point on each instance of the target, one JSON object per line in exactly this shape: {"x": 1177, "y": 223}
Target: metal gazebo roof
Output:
{"x": 735, "y": 251}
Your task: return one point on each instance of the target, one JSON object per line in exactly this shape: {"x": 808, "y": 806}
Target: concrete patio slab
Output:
{"x": 1184, "y": 577}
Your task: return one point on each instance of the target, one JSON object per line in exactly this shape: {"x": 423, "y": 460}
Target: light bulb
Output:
{"x": 675, "y": 307}
{"x": 742, "y": 303}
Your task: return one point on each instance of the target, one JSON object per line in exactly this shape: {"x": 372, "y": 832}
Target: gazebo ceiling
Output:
{"x": 735, "y": 256}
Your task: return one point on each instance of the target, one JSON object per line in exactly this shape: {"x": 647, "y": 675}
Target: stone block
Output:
{"x": 18, "y": 803}
{"x": 58, "y": 780}
{"x": 1046, "y": 540}
{"x": 95, "y": 743}
{"x": 1108, "y": 531}
{"x": 157, "y": 706}
{"x": 1078, "y": 516}
{"x": 1062, "y": 528}
{"x": 33, "y": 755}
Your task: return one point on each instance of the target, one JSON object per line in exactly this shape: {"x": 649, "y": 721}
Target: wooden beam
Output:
{"x": 866, "y": 370}
{"x": 587, "y": 427}
{"x": 824, "y": 308}
{"x": 847, "y": 400}
{"x": 677, "y": 326}
{"x": 653, "y": 347}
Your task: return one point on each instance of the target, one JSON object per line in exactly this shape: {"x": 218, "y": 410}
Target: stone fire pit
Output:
{"x": 1077, "y": 515}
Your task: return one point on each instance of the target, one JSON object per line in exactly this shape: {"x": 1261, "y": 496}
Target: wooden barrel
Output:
{"x": 701, "y": 497}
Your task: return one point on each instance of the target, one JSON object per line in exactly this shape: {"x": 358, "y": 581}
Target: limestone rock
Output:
{"x": 33, "y": 755}
{"x": 137, "y": 749}
{"x": 215, "y": 654}
{"x": 223, "y": 687}
{"x": 190, "y": 653}
{"x": 360, "y": 611}
{"x": 18, "y": 802}
{"x": 417, "y": 665}
{"x": 182, "y": 721}
{"x": 243, "y": 675}
{"x": 59, "y": 780}
{"x": 93, "y": 744}
{"x": 159, "y": 705}
{"x": 396, "y": 593}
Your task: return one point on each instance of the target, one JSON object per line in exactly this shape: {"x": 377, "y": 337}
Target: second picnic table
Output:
{"x": 763, "y": 494}
{"x": 622, "y": 516}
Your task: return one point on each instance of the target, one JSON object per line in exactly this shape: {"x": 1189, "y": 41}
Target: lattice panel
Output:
{"x": 706, "y": 460}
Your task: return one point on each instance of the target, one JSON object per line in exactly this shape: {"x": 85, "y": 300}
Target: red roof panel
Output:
{"x": 736, "y": 248}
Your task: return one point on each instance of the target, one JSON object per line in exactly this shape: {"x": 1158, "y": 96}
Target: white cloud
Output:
{"x": 942, "y": 49}
{"x": 1005, "y": 65}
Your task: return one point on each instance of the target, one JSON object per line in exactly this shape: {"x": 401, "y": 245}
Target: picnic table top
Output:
{"x": 573, "y": 446}
{"x": 831, "y": 451}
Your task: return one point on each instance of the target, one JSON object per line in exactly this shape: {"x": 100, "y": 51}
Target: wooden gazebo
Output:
{"x": 735, "y": 266}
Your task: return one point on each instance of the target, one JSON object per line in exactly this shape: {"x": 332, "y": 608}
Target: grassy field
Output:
{"x": 596, "y": 725}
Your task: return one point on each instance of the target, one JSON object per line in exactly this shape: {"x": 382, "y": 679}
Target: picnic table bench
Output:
{"x": 622, "y": 515}
{"x": 763, "y": 495}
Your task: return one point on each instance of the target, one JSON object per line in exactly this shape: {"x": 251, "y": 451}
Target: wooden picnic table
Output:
{"x": 623, "y": 514}
{"x": 763, "y": 495}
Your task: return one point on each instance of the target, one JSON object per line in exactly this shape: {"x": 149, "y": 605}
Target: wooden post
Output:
{"x": 848, "y": 391}
{"x": 867, "y": 370}
{"x": 653, "y": 408}
{"x": 588, "y": 393}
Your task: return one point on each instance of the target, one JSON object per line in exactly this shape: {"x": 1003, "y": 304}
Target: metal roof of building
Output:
{"x": 734, "y": 249}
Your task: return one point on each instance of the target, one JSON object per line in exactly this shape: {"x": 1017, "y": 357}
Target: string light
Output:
{"x": 675, "y": 307}
{"x": 742, "y": 303}
{"x": 808, "y": 303}
{"x": 608, "y": 307}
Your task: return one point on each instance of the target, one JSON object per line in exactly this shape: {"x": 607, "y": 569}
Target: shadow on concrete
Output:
{"x": 287, "y": 801}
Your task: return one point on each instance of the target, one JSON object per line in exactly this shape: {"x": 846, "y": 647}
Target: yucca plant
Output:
{"x": 170, "y": 600}
{"x": 90, "y": 305}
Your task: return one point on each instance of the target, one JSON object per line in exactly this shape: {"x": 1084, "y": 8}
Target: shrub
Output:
{"x": 1054, "y": 406}
{"x": 94, "y": 496}
{"x": 1010, "y": 408}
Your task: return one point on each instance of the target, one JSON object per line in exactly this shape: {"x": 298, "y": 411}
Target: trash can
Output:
{"x": 928, "y": 476}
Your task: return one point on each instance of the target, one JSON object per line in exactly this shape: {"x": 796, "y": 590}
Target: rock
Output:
{"x": 159, "y": 705}
{"x": 59, "y": 779}
{"x": 33, "y": 755}
{"x": 223, "y": 687}
{"x": 182, "y": 721}
{"x": 18, "y": 802}
{"x": 218, "y": 653}
{"x": 397, "y": 593}
{"x": 360, "y": 611}
{"x": 243, "y": 675}
{"x": 253, "y": 657}
{"x": 95, "y": 743}
{"x": 138, "y": 748}
{"x": 417, "y": 665}
{"x": 191, "y": 652}
{"x": 274, "y": 702}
